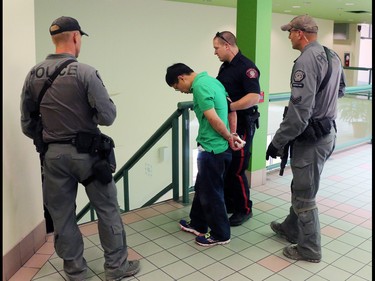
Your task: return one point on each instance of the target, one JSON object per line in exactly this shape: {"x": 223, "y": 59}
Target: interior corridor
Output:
{"x": 255, "y": 252}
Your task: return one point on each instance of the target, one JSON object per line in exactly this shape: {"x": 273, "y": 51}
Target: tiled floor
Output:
{"x": 254, "y": 253}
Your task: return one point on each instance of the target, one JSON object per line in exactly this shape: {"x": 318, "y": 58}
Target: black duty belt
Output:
{"x": 71, "y": 141}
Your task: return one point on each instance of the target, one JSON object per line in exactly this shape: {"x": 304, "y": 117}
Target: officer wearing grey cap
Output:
{"x": 317, "y": 81}
{"x": 303, "y": 23}
{"x": 76, "y": 103}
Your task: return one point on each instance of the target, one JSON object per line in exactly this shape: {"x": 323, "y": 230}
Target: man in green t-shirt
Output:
{"x": 214, "y": 153}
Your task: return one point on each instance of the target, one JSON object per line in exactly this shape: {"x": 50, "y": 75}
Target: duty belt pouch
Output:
{"x": 107, "y": 152}
{"x": 325, "y": 126}
{"x": 106, "y": 165}
{"x": 253, "y": 119}
{"x": 102, "y": 171}
{"x": 102, "y": 146}
{"x": 254, "y": 116}
{"x": 316, "y": 129}
{"x": 40, "y": 145}
{"x": 87, "y": 142}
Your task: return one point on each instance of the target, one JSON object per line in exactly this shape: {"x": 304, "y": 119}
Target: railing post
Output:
{"x": 175, "y": 160}
{"x": 185, "y": 155}
{"x": 92, "y": 213}
{"x": 126, "y": 189}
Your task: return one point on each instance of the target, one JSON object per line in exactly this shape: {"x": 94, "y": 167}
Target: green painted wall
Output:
{"x": 254, "y": 22}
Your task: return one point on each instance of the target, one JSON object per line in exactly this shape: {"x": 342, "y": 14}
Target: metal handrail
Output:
{"x": 352, "y": 90}
{"x": 123, "y": 173}
{"x": 361, "y": 68}
{"x": 357, "y": 68}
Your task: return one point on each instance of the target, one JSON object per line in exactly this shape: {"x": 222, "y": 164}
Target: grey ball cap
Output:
{"x": 303, "y": 22}
{"x": 63, "y": 24}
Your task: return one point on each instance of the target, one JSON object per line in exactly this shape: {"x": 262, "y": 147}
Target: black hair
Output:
{"x": 176, "y": 70}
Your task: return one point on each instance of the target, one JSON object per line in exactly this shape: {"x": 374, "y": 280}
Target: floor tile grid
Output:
{"x": 254, "y": 252}
{"x": 267, "y": 227}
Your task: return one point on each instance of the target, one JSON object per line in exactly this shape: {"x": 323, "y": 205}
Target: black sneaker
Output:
{"x": 292, "y": 253}
{"x": 208, "y": 241}
{"x": 132, "y": 270}
{"x": 277, "y": 228}
{"x": 239, "y": 218}
{"x": 185, "y": 226}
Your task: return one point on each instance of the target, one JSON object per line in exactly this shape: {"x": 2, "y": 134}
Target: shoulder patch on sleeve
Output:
{"x": 252, "y": 73}
{"x": 298, "y": 76}
{"x": 295, "y": 100}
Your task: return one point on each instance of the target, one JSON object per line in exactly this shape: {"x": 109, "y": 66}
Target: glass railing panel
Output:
{"x": 358, "y": 76}
{"x": 275, "y": 116}
{"x": 354, "y": 119}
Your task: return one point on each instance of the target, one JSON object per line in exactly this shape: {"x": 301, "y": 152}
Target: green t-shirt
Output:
{"x": 209, "y": 93}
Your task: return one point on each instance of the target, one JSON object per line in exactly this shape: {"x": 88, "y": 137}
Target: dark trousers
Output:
{"x": 237, "y": 189}
{"x": 208, "y": 208}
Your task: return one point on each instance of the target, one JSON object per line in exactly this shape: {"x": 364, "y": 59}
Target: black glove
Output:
{"x": 271, "y": 151}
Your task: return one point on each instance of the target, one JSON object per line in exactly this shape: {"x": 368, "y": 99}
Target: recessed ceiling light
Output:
{"x": 349, "y": 4}
{"x": 296, "y": 7}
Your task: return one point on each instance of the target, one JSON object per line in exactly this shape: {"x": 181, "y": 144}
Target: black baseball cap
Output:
{"x": 65, "y": 24}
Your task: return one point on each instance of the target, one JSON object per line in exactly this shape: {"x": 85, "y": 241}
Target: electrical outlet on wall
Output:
{"x": 148, "y": 169}
{"x": 163, "y": 153}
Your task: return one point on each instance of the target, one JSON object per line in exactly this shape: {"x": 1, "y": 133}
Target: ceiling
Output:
{"x": 340, "y": 11}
